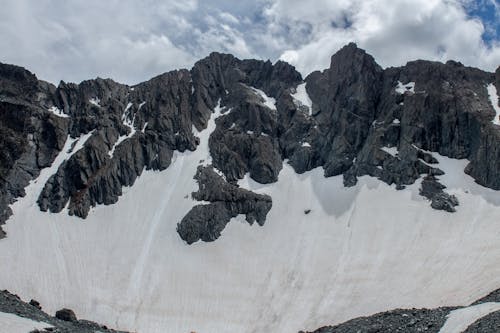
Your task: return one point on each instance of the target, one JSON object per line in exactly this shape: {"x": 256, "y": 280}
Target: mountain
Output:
{"x": 372, "y": 190}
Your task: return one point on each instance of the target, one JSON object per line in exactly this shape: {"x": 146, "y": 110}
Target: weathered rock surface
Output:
{"x": 433, "y": 190}
{"x": 206, "y": 221}
{"x": 364, "y": 120}
{"x": 65, "y": 322}
{"x": 30, "y": 135}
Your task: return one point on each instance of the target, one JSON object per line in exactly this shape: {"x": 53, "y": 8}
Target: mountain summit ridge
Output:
{"x": 367, "y": 189}
{"x": 360, "y": 123}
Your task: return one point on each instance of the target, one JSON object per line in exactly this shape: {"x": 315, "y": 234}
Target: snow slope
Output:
{"x": 402, "y": 88}
{"x": 359, "y": 251}
{"x": 10, "y": 323}
{"x": 302, "y": 98}
{"x": 493, "y": 96}
{"x": 460, "y": 319}
{"x": 267, "y": 101}
{"x": 58, "y": 112}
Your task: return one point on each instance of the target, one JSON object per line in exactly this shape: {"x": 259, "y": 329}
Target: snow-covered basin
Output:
{"x": 360, "y": 250}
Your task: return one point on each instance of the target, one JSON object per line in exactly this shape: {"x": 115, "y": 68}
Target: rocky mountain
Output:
{"x": 237, "y": 126}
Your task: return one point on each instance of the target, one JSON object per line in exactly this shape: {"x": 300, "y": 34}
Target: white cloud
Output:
{"x": 394, "y": 32}
{"x": 79, "y": 40}
{"x": 132, "y": 41}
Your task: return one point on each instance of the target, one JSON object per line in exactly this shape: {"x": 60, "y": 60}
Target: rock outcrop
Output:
{"x": 224, "y": 201}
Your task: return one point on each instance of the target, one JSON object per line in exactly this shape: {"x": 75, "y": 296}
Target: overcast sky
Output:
{"x": 131, "y": 41}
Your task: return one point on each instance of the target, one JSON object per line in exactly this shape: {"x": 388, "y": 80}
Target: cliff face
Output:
{"x": 354, "y": 119}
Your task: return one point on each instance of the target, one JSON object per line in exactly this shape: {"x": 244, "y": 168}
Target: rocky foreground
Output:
{"x": 396, "y": 321}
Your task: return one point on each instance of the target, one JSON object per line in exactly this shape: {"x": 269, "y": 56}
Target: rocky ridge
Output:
{"x": 362, "y": 120}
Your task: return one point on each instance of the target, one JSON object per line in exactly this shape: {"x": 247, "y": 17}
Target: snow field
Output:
{"x": 360, "y": 250}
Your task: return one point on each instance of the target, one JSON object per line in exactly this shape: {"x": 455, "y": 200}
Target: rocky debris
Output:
{"x": 226, "y": 201}
{"x": 396, "y": 321}
{"x": 64, "y": 322}
{"x": 433, "y": 190}
{"x": 36, "y": 304}
{"x": 66, "y": 315}
{"x": 415, "y": 320}
{"x": 488, "y": 324}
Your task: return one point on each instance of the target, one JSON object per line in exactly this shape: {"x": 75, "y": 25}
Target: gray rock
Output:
{"x": 440, "y": 200}
{"x": 66, "y": 315}
{"x": 206, "y": 221}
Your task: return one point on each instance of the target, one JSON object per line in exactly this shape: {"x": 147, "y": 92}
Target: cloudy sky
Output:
{"x": 131, "y": 41}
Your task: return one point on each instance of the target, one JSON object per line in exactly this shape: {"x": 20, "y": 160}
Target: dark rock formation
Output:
{"x": 30, "y": 135}
{"x": 206, "y": 221}
{"x": 36, "y": 304}
{"x": 66, "y": 315}
{"x": 346, "y": 96}
{"x": 446, "y": 112}
{"x": 433, "y": 190}
{"x": 364, "y": 120}
{"x": 64, "y": 321}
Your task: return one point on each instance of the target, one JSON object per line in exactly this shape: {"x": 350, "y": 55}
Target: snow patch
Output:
{"x": 95, "y": 101}
{"x": 268, "y": 101}
{"x": 58, "y": 112}
{"x": 493, "y": 95}
{"x": 408, "y": 87}
{"x": 12, "y": 323}
{"x": 302, "y": 98}
{"x": 130, "y": 124}
{"x": 459, "y": 320}
{"x": 391, "y": 151}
